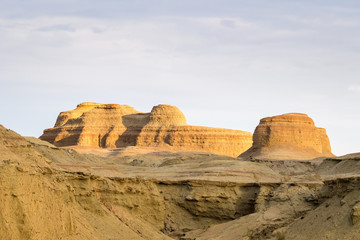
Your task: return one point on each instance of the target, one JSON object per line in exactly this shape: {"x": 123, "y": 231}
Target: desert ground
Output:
{"x": 152, "y": 177}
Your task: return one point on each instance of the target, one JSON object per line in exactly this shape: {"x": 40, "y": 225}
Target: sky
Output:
{"x": 223, "y": 63}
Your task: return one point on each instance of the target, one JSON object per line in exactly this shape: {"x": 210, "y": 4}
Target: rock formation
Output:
{"x": 288, "y": 136}
{"x": 115, "y": 126}
{"x": 40, "y": 202}
{"x": 57, "y": 193}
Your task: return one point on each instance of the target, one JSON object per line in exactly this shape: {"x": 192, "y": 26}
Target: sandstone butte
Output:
{"x": 291, "y": 136}
{"x": 116, "y": 126}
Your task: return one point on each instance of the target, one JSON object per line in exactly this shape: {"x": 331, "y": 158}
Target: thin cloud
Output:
{"x": 60, "y": 27}
{"x": 218, "y": 22}
{"x": 354, "y": 88}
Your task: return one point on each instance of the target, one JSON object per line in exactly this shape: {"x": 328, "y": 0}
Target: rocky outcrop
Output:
{"x": 288, "y": 136}
{"x": 355, "y": 216}
{"x": 116, "y": 126}
{"x": 39, "y": 201}
{"x": 97, "y": 125}
{"x": 183, "y": 196}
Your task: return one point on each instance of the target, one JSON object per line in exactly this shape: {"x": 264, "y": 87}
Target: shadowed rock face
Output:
{"x": 96, "y": 125}
{"x": 115, "y": 126}
{"x": 289, "y": 136}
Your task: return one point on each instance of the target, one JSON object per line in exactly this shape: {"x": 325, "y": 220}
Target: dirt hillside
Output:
{"x": 50, "y": 192}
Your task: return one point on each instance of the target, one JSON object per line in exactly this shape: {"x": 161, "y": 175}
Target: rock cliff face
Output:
{"x": 289, "y": 136}
{"x": 58, "y": 193}
{"x": 39, "y": 201}
{"x": 115, "y": 126}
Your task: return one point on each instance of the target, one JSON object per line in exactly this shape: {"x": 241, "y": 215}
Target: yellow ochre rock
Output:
{"x": 116, "y": 126}
{"x": 289, "y": 136}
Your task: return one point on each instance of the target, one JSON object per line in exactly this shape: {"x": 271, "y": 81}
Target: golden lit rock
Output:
{"x": 165, "y": 127}
{"x": 289, "y": 136}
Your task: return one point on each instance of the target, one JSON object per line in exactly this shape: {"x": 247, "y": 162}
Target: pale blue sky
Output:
{"x": 223, "y": 63}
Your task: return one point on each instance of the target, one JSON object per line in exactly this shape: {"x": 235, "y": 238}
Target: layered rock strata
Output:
{"x": 188, "y": 196}
{"x": 289, "y": 136}
{"x": 115, "y": 126}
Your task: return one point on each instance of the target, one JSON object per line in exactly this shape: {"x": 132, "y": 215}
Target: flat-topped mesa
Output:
{"x": 82, "y": 108}
{"x": 114, "y": 126}
{"x": 96, "y": 125}
{"x": 291, "y": 136}
{"x": 167, "y": 128}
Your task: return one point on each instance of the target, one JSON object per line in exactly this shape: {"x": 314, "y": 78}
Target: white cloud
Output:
{"x": 354, "y": 88}
{"x": 225, "y": 22}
